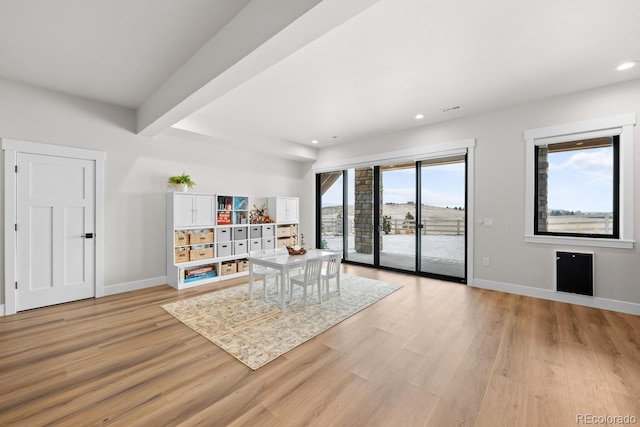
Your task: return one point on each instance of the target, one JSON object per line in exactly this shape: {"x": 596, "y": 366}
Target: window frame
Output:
{"x": 622, "y": 126}
{"x": 615, "y": 234}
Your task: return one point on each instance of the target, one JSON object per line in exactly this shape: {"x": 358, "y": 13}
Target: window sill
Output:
{"x": 581, "y": 241}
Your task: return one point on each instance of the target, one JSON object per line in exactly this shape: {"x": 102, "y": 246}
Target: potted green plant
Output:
{"x": 180, "y": 182}
{"x": 386, "y": 224}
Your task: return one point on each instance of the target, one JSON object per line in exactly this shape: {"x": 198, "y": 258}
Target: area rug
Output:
{"x": 256, "y": 332}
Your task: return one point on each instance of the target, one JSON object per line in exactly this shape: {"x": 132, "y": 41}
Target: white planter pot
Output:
{"x": 178, "y": 188}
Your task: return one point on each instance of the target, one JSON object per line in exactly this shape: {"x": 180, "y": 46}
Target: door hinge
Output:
{"x": 16, "y": 227}
{"x": 16, "y": 285}
{"x": 16, "y": 169}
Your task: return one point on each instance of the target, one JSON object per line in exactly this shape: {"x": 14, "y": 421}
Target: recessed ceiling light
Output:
{"x": 627, "y": 65}
{"x": 315, "y": 141}
{"x": 419, "y": 116}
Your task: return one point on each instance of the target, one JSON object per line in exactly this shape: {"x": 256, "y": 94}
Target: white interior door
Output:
{"x": 55, "y": 245}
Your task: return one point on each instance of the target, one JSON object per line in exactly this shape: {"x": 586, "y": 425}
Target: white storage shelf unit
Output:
{"x": 284, "y": 210}
{"x": 209, "y": 238}
{"x": 195, "y": 241}
{"x": 286, "y": 213}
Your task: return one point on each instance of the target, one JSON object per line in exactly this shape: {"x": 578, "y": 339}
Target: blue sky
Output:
{"x": 442, "y": 185}
{"x": 578, "y": 181}
{"x": 581, "y": 180}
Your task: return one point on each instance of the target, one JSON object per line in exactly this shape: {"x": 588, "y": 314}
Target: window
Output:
{"x": 577, "y": 188}
{"x": 579, "y": 183}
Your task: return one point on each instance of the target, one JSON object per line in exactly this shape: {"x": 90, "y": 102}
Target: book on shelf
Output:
{"x": 200, "y": 276}
{"x": 224, "y": 203}
{"x": 241, "y": 218}
{"x": 198, "y": 270}
{"x": 224, "y": 218}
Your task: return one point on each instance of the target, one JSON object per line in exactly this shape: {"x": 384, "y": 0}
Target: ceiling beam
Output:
{"x": 262, "y": 34}
{"x": 243, "y": 141}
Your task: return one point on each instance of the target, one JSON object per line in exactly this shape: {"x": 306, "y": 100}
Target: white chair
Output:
{"x": 331, "y": 271}
{"x": 264, "y": 272}
{"x": 310, "y": 277}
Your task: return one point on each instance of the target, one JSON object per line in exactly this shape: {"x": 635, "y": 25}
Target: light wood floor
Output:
{"x": 433, "y": 353}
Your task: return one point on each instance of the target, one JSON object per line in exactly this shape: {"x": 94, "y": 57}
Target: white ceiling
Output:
{"x": 280, "y": 73}
{"x": 117, "y": 51}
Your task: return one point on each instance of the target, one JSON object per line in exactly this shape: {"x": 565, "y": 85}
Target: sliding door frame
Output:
{"x": 451, "y": 149}
{"x": 419, "y": 202}
{"x": 418, "y": 197}
{"x": 377, "y": 226}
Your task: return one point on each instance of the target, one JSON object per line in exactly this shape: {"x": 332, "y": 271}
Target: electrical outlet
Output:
{"x": 486, "y": 261}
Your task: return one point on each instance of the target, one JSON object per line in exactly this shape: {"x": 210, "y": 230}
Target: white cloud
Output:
{"x": 593, "y": 166}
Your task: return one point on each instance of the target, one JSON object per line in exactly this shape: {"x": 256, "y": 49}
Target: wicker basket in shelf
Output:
{"x": 200, "y": 238}
{"x": 243, "y": 265}
{"x": 229, "y": 267}
{"x": 181, "y": 238}
{"x": 198, "y": 254}
{"x": 181, "y": 255}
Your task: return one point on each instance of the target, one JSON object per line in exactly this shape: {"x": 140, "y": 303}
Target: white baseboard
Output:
{"x": 595, "y": 302}
{"x": 122, "y": 287}
{"x": 134, "y": 286}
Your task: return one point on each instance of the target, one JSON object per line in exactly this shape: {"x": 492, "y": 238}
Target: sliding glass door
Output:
{"x": 397, "y": 244}
{"x": 331, "y": 224}
{"x": 443, "y": 217}
{"x": 409, "y": 216}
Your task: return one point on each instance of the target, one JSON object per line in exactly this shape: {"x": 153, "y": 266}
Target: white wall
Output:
{"x": 517, "y": 266}
{"x": 136, "y": 170}
{"x": 137, "y": 167}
